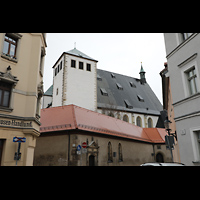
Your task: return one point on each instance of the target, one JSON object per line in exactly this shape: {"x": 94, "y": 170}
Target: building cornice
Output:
{"x": 187, "y": 60}
{"x": 181, "y": 45}
{"x": 197, "y": 95}
{"x": 21, "y": 118}
{"x": 102, "y": 106}
{"x": 42, "y": 36}
{"x": 189, "y": 115}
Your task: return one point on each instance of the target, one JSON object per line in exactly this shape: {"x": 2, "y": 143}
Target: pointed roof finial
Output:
{"x": 142, "y": 70}
{"x": 74, "y": 45}
{"x": 142, "y": 75}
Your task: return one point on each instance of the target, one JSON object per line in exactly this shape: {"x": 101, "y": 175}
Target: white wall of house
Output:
{"x": 182, "y": 57}
{"x": 74, "y": 85}
{"x": 58, "y": 84}
{"x": 80, "y": 85}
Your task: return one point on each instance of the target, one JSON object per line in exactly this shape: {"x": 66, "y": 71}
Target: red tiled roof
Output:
{"x": 73, "y": 117}
{"x": 157, "y": 135}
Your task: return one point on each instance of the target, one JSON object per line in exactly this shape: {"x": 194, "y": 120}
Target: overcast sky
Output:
{"x": 116, "y": 52}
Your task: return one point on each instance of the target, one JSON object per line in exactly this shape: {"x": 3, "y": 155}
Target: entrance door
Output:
{"x": 159, "y": 158}
{"x": 91, "y": 160}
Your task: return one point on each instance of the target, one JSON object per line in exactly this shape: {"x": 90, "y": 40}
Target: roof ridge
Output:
{"x": 78, "y": 51}
{"x": 118, "y": 73}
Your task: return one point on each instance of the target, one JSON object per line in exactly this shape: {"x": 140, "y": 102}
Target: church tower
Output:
{"x": 142, "y": 75}
{"x": 75, "y": 80}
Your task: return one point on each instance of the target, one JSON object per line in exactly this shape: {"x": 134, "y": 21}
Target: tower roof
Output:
{"x": 78, "y": 53}
{"x": 142, "y": 70}
{"x": 49, "y": 92}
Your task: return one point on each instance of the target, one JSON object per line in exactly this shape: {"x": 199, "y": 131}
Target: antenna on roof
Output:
{"x": 74, "y": 45}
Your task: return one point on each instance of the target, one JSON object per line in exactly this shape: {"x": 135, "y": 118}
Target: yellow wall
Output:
{"x": 23, "y": 102}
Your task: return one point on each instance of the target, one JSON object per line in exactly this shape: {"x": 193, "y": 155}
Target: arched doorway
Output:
{"x": 91, "y": 160}
{"x": 159, "y": 158}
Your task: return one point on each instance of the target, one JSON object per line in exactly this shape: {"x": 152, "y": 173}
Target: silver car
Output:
{"x": 162, "y": 164}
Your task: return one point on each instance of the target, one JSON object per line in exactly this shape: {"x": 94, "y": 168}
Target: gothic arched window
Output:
{"x": 125, "y": 118}
{"x": 111, "y": 114}
{"x": 150, "y": 123}
{"x": 139, "y": 121}
{"x": 110, "y": 157}
{"x": 120, "y": 152}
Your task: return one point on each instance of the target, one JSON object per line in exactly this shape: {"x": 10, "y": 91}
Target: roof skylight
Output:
{"x": 103, "y": 92}
{"x": 127, "y": 103}
{"x": 119, "y": 86}
{"x": 99, "y": 77}
{"x": 132, "y": 84}
{"x": 140, "y": 98}
{"x": 113, "y": 76}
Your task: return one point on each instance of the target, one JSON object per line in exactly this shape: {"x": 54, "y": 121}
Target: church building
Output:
{"x": 76, "y": 80}
{"x": 93, "y": 117}
{"x": 75, "y": 136}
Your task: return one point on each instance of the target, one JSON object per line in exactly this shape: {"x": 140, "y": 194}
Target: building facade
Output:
{"x": 183, "y": 60}
{"x": 76, "y": 80}
{"x": 21, "y": 89}
{"x": 109, "y": 141}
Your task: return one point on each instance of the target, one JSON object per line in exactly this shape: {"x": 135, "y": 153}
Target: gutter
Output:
{"x": 154, "y": 153}
{"x": 74, "y": 117}
{"x": 69, "y": 148}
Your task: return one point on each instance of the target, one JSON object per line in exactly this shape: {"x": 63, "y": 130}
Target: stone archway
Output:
{"x": 92, "y": 154}
{"x": 159, "y": 158}
{"x": 91, "y": 160}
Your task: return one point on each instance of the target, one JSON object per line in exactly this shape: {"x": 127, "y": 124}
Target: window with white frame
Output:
{"x": 185, "y": 36}
{"x": 191, "y": 78}
{"x": 196, "y": 146}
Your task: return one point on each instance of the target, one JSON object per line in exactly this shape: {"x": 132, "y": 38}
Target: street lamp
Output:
{"x": 166, "y": 124}
{"x": 169, "y": 139}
